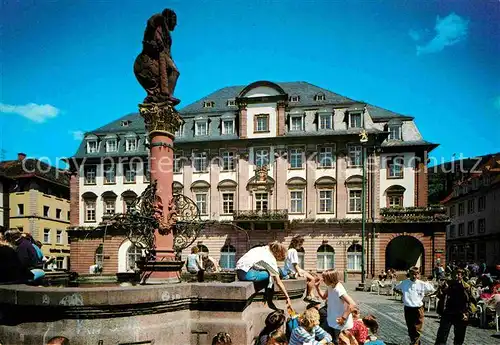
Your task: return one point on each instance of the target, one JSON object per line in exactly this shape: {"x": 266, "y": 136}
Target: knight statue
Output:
{"x": 154, "y": 67}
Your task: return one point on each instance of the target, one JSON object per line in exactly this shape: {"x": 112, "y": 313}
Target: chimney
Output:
{"x": 21, "y": 156}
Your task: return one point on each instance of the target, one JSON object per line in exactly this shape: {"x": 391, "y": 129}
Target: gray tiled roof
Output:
{"x": 304, "y": 90}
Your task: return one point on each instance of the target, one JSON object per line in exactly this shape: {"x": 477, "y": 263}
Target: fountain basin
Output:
{"x": 163, "y": 313}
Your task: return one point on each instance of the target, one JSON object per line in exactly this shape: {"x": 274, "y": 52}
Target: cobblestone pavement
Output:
{"x": 389, "y": 313}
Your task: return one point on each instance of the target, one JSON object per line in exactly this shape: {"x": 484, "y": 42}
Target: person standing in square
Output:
{"x": 414, "y": 290}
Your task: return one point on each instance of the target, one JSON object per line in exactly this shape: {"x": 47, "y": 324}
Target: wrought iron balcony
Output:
{"x": 430, "y": 214}
{"x": 268, "y": 215}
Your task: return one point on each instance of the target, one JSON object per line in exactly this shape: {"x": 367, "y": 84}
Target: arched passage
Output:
{"x": 404, "y": 252}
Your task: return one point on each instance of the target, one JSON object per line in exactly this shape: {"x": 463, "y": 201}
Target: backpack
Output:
{"x": 291, "y": 323}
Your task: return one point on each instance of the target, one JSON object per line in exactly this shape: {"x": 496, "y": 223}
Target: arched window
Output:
{"x": 354, "y": 257}
{"x": 325, "y": 257}
{"x": 301, "y": 253}
{"x": 228, "y": 257}
{"x": 202, "y": 248}
{"x": 99, "y": 255}
{"x": 133, "y": 254}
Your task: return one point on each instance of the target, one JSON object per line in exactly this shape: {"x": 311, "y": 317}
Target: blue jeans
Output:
{"x": 253, "y": 275}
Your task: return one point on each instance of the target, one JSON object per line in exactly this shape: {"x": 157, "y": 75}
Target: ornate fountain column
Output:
{"x": 162, "y": 120}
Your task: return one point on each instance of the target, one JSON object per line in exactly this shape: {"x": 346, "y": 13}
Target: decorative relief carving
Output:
{"x": 160, "y": 117}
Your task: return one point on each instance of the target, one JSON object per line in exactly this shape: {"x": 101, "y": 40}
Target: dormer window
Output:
{"x": 111, "y": 145}
{"x": 294, "y": 98}
{"x": 208, "y": 104}
{"x": 178, "y": 133}
{"x": 228, "y": 127}
{"x": 131, "y": 144}
{"x": 319, "y": 97}
{"x": 296, "y": 123}
{"x": 395, "y": 132}
{"x": 92, "y": 146}
{"x": 325, "y": 121}
{"x": 201, "y": 128}
{"x": 231, "y": 103}
{"x": 354, "y": 120}
{"x": 126, "y": 123}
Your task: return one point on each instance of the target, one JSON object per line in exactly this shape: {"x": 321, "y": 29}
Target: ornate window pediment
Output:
{"x": 325, "y": 182}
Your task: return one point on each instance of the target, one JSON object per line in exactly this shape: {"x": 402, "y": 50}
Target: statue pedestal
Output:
{"x": 162, "y": 121}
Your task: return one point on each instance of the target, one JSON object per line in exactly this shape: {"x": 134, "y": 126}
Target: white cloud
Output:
{"x": 450, "y": 30}
{"x": 77, "y": 135}
{"x": 35, "y": 112}
{"x": 415, "y": 35}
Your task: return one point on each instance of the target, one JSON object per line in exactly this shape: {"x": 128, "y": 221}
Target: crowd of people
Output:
{"x": 22, "y": 258}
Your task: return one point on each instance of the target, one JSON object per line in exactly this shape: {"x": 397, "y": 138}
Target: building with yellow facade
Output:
{"x": 38, "y": 204}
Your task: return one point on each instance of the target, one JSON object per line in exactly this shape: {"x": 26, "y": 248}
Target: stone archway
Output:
{"x": 403, "y": 252}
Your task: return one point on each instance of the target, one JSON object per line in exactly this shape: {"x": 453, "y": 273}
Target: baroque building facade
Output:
{"x": 269, "y": 161}
{"x": 473, "y": 234}
{"x": 36, "y": 201}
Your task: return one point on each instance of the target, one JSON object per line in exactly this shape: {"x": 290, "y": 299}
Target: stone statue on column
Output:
{"x": 154, "y": 68}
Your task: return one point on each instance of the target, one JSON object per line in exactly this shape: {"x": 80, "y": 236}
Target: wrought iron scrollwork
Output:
{"x": 143, "y": 218}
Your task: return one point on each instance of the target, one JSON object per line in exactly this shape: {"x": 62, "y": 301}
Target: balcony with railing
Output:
{"x": 261, "y": 216}
{"x": 430, "y": 214}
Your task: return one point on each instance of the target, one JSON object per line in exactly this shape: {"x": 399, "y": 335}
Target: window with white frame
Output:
{"x": 46, "y": 235}
{"x": 134, "y": 254}
{"x": 201, "y": 128}
{"x": 296, "y": 158}
{"x": 461, "y": 209}
{"x": 296, "y": 201}
{"x": 180, "y": 131}
{"x": 131, "y": 144}
{"x": 355, "y": 200}
{"x": 231, "y": 103}
{"x": 109, "y": 206}
{"x": 395, "y": 167}
{"x": 111, "y": 145}
{"x": 228, "y": 127}
{"x": 296, "y": 123}
{"x": 200, "y": 161}
{"x": 89, "y": 210}
{"x": 261, "y": 123}
{"x": 471, "y": 206}
{"x": 90, "y": 172}
{"x": 355, "y": 120}
{"x": 325, "y": 121}
{"x": 355, "y": 155}
{"x": 99, "y": 255}
{"x": 109, "y": 173}
{"x": 227, "y": 203}
{"x": 481, "y": 226}
{"x": 129, "y": 172}
{"x": 146, "y": 171}
{"x": 60, "y": 262}
{"x": 228, "y": 257}
{"x": 46, "y": 210}
{"x": 201, "y": 202}
{"x": 319, "y": 97}
{"x": 208, "y": 104}
{"x": 325, "y": 157}
{"x": 128, "y": 203}
{"x": 294, "y": 98}
{"x": 481, "y": 204}
{"x": 261, "y": 202}
{"x": 91, "y": 146}
{"x": 395, "y": 132}
{"x": 177, "y": 163}
{"x": 59, "y": 237}
{"x": 228, "y": 161}
{"x": 261, "y": 157}
{"x": 325, "y": 258}
{"x": 395, "y": 200}
{"x": 354, "y": 257}
{"x": 325, "y": 201}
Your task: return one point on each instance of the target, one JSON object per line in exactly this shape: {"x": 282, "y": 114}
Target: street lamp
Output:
{"x": 363, "y": 140}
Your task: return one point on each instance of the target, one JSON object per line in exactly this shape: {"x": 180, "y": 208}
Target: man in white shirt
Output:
{"x": 414, "y": 291}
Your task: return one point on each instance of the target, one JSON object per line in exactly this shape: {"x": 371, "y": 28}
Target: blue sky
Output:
{"x": 66, "y": 66}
